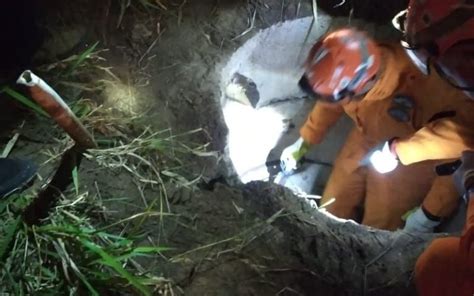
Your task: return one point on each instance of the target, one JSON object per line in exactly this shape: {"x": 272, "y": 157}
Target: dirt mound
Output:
{"x": 260, "y": 239}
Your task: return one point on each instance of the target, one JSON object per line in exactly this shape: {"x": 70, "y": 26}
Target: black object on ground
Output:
{"x": 49, "y": 196}
{"x": 15, "y": 174}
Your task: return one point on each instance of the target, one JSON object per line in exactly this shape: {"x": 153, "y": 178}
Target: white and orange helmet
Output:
{"x": 441, "y": 32}
{"x": 342, "y": 64}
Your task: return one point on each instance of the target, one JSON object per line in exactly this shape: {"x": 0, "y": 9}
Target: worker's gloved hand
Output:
{"x": 418, "y": 221}
{"x": 464, "y": 175}
{"x": 383, "y": 158}
{"x": 291, "y": 156}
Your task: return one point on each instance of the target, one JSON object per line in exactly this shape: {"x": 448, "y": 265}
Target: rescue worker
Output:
{"x": 446, "y": 267}
{"x": 401, "y": 113}
{"x": 439, "y": 36}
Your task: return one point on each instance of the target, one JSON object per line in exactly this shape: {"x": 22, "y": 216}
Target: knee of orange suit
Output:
{"x": 391, "y": 195}
{"x": 430, "y": 276}
{"x": 347, "y": 186}
{"x": 383, "y": 222}
{"x": 343, "y": 211}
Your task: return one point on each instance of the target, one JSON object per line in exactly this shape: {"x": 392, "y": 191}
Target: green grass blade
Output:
{"x": 140, "y": 252}
{"x": 82, "y": 57}
{"x": 66, "y": 259}
{"x": 151, "y": 249}
{"x": 86, "y": 283}
{"x": 101, "y": 276}
{"x": 6, "y": 240}
{"x": 146, "y": 4}
{"x": 115, "y": 265}
{"x": 80, "y": 109}
{"x": 24, "y": 100}
{"x": 6, "y": 201}
{"x": 75, "y": 180}
{"x": 112, "y": 236}
{"x": 48, "y": 272}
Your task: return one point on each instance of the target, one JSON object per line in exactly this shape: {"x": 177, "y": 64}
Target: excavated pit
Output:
{"x": 263, "y": 106}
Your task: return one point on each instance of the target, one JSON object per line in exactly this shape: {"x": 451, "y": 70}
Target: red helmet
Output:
{"x": 443, "y": 31}
{"x": 342, "y": 64}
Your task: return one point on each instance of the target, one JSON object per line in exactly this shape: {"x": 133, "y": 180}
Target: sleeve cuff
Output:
{"x": 429, "y": 215}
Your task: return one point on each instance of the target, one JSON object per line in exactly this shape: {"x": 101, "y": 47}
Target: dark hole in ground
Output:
{"x": 21, "y": 38}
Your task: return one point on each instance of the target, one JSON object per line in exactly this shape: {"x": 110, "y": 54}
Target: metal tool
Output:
{"x": 54, "y": 105}
{"x": 275, "y": 166}
{"x": 303, "y": 178}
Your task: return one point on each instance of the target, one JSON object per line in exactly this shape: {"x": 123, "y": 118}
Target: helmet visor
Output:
{"x": 305, "y": 86}
{"x": 333, "y": 98}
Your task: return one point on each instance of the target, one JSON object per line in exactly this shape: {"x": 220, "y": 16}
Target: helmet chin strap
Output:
{"x": 421, "y": 65}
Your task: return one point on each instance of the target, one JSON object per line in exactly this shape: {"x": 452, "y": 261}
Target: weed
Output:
{"x": 74, "y": 250}
{"x": 68, "y": 251}
{"x": 79, "y": 60}
{"x": 75, "y": 180}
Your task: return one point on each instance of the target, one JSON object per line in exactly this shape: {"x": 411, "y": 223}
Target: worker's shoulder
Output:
{"x": 396, "y": 58}
{"x": 392, "y": 47}
{"x": 396, "y": 65}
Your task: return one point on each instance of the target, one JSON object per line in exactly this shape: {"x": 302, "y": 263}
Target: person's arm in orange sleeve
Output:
{"x": 439, "y": 203}
{"x": 320, "y": 120}
{"x": 444, "y": 195}
{"x": 442, "y": 199}
{"x": 441, "y": 139}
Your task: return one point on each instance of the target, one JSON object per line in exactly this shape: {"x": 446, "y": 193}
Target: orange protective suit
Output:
{"x": 441, "y": 126}
{"x": 446, "y": 267}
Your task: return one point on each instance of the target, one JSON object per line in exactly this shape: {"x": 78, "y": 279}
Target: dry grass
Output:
{"x": 81, "y": 247}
